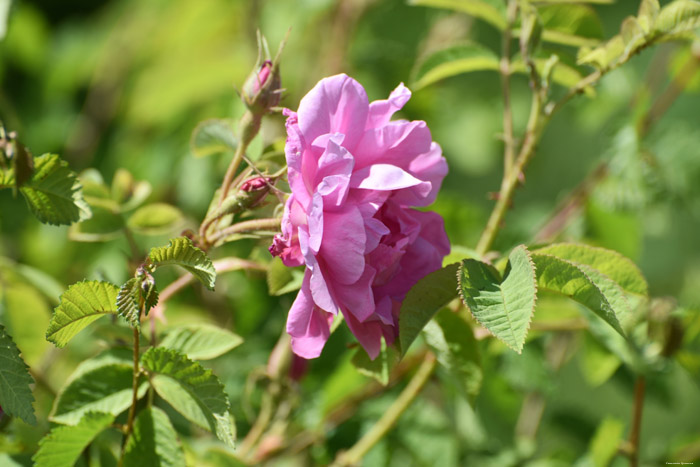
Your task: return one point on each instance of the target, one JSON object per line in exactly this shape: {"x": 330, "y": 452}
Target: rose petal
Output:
{"x": 380, "y": 112}
{"x": 343, "y": 246}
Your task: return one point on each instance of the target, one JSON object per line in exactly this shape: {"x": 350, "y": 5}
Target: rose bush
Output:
{"x": 355, "y": 177}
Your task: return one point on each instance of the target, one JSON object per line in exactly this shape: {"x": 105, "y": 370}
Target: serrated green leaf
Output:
{"x": 678, "y": 17}
{"x": 282, "y": 279}
{"x": 648, "y": 12}
{"x": 606, "y": 441}
{"x": 15, "y": 393}
{"x": 79, "y": 306}
{"x": 491, "y": 11}
{"x": 104, "y": 225}
{"x": 213, "y": 137}
{"x": 568, "y": 278}
{"x": 453, "y": 61}
{"x": 54, "y": 192}
{"x": 153, "y": 442}
{"x": 128, "y": 302}
{"x": 452, "y": 339}
{"x": 504, "y": 308}
{"x": 611, "y": 263}
{"x": 191, "y": 390}
{"x": 100, "y": 384}
{"x": 201, "y": 341}
{"x": 181, "y": 252}
{"x": 379, "y": 368}
{"x": 576, "y": 25}
{"x": 156, "y": 219}
{"x": 426, "y": 298}
{"x": 64, "y": 444}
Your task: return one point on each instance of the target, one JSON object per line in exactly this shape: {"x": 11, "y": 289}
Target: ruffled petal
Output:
{"x": 337, "y": 104}
{"x": 343, "y": 246}
{"x": 380, "y": 112}
{"x": 307, "y": 324}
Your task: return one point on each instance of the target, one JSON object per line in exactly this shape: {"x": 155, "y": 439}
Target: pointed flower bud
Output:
{"x": 261, "y": 90}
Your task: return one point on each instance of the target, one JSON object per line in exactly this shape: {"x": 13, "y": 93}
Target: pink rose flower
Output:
{"x": 354, "y": 177}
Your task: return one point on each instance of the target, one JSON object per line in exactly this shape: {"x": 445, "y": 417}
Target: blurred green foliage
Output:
{"x": 123, "y": 83}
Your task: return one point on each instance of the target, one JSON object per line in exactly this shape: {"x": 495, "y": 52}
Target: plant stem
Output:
{"x": 639, "y": 388}
{"x": 135, "y": 389}
{"x": 272, "y": 223}
{"x": 387, "y": 421}
{"x": 250, "y": 125}
{"x": 509, "y": 143}
{"x": 512, "y": 177}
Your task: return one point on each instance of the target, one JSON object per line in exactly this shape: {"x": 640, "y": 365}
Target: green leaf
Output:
{"x": 153, "y": 441}
{"x": 426, "y": 298}
{"x": 453, "y": 61}
{"x": 611, "y": 263}
{"x": 192, "y": 390}
{"x": 575, "y": 25}
{"x": 15, "y": 394}
{"x": 182, "y": 252}
{"x": 7, "y": 178}
{"x": 606, "y": 441}
{"x": 282, "y": 279}
{"x": 156, "y": 219}
{"x": 79, "y": 306}
{"x": 504, "y": 308}
{"x": 101, "y": 384}
{"x": 54, "y": 192}
{"x": 201, "y": 341}
{"x": 597, "y": 364}
{"x": 677, "y": 18}
{"x": 213, "y": 137}
{"x": 104, "y": 225}
{"x": 128, "y": 302}
{"x": 491, "y": 11}
{"x": 452, "y": 339}
{"x": 64, "y": 444}
{"x": 379, "y": 368}
{"x": 568, "y": 278}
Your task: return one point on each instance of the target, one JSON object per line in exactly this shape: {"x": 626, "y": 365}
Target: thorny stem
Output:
{"x": 135, "y": 388}
{"x": 388, "y": 420}
{"x": 509, "y": 150}
{"x": 639, "y": 388}
{"x": 247, "y": 226}
{"x": 512, "y": 177}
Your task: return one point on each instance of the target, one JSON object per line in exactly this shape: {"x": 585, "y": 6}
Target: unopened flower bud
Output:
{"x": 261, "y": 90}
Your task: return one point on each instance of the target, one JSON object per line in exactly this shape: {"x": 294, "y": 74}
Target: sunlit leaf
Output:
{"x": 426, "y": 298}
{"x": 101, "y": 384}
{"x": 611, "y": 263}
{"x": 64, "y": 444}
{"x": 153, "y": 441}
{"x": 15, "y": 394}
{"x": 379, "y": 368}
{"x": 54, "y": 192}
{"x": 575, "y": 25}
{"x": 453, "y": 61}
{"x": 128, "y": 305}
{"x": 181, "y": 252}
{"x": 606, "y": 441}
{"x": 567, "y": 278}
{"x": 452, "y": 339}
{"x": 79, "y": 306}
{"x": 282, "y": 279}
{"x": 104, "y": 225}
{"x": 192, "y": 390}
{"x": 213, "y": 137}
{"x": 491, "y": 11}
{"x": 201, "y": 341}
{"x": 155, "y": 219}
{"x": 505, "y": 307}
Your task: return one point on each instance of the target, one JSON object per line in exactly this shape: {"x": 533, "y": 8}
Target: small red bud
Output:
{"x": 261, "y": 90}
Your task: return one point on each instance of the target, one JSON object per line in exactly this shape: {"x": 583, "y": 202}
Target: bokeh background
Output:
{"x": 123, "y": 83}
